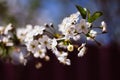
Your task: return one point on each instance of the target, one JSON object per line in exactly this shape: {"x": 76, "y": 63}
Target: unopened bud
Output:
{"x": 38, "y": 65}
{"x": 82, "y": 51}
{"x": 70, "y": 47}
{"x": 103, "y": 25}
{"x": 47, "y": 58}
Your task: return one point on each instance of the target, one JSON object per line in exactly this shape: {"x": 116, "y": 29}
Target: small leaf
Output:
{"x": 82, "y": 11}
{"x": 95, "y": 16}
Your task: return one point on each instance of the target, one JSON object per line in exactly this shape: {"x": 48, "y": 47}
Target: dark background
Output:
{"x": 99, "y": 63}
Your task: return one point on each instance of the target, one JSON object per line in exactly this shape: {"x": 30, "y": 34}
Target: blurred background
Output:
{"x": 100, "y": 63}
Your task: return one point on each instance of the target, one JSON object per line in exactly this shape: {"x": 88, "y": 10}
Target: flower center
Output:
{"x": 33, "y": 46}
{"x": 45, "y": 42}
{"x": 82, "y": 27}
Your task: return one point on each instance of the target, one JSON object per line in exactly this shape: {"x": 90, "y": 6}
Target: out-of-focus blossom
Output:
{"x": 22, "y": 32}
{"x": 22, "y": 59}
{"x": 103, "y": 25}
{"x": 8, "y": 28}
{"x": 82, "y": 50}
{"x": 38, "y": 65}
{"x": 93, "y": 33}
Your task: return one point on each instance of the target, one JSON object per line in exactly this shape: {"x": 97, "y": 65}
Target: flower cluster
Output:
{"x": 38, "y": 40}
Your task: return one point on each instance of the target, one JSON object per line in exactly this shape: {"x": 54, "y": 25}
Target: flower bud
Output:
{"x": 38, "y": 65}
{"x": 103, "y": 25}
{"x": 47, "y": 58}
{"x": 70, "y": 47}
{"x": 82, "y": 52}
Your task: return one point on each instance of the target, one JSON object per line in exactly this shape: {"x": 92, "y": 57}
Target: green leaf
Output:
{"x": 82, "y": 11}
{"x": 96, "y": 15}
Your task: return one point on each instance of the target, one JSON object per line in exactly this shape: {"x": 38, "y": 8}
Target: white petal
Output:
{"x": 67, "y": 62}
{"x": 82, "y": 52}
{"x": 36, "y": 55}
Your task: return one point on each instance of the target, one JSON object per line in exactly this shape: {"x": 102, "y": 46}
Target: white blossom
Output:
{"x": 83, "y": 26}
{"x": 67, "y": 62}
{"x": 55, "y": 51}
{"x": 34, "y": 32}
{"x": 32, "y": 46}
{"x": 76, "y": 37}
{"x": 37, "y": 40}
{"x": 28, "y": 28}
{"x": 38, "y": 30}
{"x": 40, "y": 52}
{"x": 67, "y": 27}
{"x": 1, "y": 29}
{"x": 45, "y": 41}
{"x": 22, "y": 59}
{"x": 7, "y": 42}
{"x": 54, "y": 43}
{"x": 63, "y": 58}
{"x": 8, "y": 28}
{"x": 75, "y": 16}
{"x": 23, "y": 33}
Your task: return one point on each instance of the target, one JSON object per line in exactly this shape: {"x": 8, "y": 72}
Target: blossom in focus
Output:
{"x": 45, "y": 41}
{"x": 40, "y": 52}
{"x": 32, "y": 46}
{"x": 67, "y": 27}
{"x": 83, "y": 26}
{"x": 38, "y": 30}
